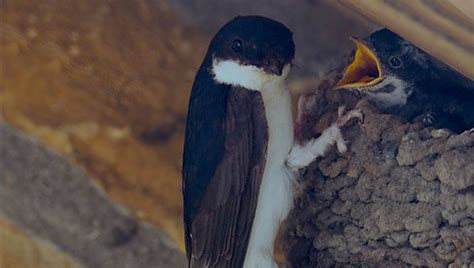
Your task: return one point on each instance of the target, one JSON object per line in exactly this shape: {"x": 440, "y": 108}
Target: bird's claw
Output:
{"x": 341, "y": 145}
{"x": 342, "y": 118}
{"x": 429, "y": 118}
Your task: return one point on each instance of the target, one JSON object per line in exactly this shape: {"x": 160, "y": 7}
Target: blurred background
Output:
{"x": 104, "y": 85}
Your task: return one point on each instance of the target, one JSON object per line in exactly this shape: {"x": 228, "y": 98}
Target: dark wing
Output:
{"x": 448, "y": 96}
{"x": 222, "y": 178}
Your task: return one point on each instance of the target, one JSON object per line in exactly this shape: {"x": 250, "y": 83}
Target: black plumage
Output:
{"x": 435, "y": 94}
{"x": 225, "y": 143}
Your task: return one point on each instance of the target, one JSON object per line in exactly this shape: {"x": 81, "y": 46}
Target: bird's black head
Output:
{"x": 254, "y": 41}
{"x": 397, "y": 56}
{"x": 381, "y": 59}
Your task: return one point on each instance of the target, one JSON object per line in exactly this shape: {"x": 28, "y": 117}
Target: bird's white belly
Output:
{"x": 276, "y": 191}
{"x": 275, "y": 197}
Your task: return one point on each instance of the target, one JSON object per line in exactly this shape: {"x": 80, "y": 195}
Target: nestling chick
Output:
{"x": 401, "y": 79}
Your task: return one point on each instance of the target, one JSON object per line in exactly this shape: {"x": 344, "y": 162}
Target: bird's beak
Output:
{"x": 275, "y": 66}
{"x": 275, "y": 69}
{"x": 276, "y": 60}
{"x": 364, "y": 71}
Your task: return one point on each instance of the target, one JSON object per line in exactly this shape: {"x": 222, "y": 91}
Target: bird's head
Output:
{"x": 251, "y": 49}
{"x": 382, "y": 62}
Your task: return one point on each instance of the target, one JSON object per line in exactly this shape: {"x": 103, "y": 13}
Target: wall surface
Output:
{"x": 321, "y": 27}
{"x": 56, "y": 203}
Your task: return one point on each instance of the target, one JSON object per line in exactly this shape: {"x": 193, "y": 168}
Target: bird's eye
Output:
{"x": 237, "y": 45}
{"x": 395, "y": 62}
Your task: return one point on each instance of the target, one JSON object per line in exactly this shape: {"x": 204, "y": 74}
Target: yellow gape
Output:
{"x": 365, "y": 71}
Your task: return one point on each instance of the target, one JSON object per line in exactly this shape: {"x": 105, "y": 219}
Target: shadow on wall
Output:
{"x": 106, "y": 85}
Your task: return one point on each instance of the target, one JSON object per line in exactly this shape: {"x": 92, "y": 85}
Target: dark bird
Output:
{"x": 403, "y": 80}
{"x": 239, "y": 152}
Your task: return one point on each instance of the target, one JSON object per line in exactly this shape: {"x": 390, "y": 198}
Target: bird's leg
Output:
{"x": 302, "y": 155}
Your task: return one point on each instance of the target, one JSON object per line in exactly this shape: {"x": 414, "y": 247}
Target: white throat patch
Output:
{"x": 398, "y": 97}
{"x": 231, "y": 72}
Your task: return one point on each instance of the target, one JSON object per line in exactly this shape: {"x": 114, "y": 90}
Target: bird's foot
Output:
{"x": 301, "y": 155}
{"x": 342, "y": 120}
{"x": 429, "y": 118}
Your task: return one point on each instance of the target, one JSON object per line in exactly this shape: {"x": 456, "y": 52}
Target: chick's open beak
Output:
{"x": 364, "y": 71}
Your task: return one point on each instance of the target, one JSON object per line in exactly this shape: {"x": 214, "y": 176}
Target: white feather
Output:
{"x": 276, "y": 194}
{"x": 397, "y": 97}
{"x": 276, "y": 191}
{"x": 231, "y": 72}
{"x": 302, "y": 155}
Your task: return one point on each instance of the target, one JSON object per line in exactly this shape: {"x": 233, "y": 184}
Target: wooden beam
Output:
{"x": 436, "y": 26}
{"x": 465, "y": 6}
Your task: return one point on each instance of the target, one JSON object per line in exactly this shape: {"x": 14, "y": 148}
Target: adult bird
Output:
{"x": 239, "y": 153}
{"x": 403, "y": 80}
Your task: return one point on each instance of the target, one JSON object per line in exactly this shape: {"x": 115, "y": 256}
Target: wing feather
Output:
{"x": 218, "y": 232}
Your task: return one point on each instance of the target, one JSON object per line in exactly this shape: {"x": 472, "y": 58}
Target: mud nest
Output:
{"x": 403, "y": 194}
